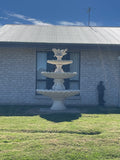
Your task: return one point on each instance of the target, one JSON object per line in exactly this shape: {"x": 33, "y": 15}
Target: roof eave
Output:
{"x": 44, "y": 45}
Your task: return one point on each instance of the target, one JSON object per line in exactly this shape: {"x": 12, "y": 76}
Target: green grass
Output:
{"x": 26, "y": 135}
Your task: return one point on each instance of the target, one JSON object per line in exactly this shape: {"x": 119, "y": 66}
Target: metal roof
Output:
{"x": 60, "y": 34}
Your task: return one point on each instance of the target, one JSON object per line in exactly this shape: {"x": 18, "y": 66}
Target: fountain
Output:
{"x": 58, "y": 92}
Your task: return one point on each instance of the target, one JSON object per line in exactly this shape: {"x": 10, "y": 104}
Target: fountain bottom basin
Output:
{"x": 58, "y": 97}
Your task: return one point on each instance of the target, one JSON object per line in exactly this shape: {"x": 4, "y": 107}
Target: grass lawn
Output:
{"x": 91, "y": 135}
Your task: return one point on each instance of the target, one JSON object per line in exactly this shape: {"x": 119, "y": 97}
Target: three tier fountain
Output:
{"x": 58, "y": 92}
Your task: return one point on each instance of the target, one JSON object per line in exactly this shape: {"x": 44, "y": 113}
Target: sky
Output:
{"x": 60, "y": 12}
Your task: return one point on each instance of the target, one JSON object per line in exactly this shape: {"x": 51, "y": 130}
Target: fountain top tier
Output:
{"x": 59, "y": 62}
{"x": 59, "y": 53}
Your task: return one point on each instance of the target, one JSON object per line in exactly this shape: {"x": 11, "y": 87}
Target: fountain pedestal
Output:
{"x": 58, "y": 104}
{"x": 58, "y": 92}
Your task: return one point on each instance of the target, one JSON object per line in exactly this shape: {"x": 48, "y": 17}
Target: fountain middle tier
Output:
{"x": 59, "y": 75}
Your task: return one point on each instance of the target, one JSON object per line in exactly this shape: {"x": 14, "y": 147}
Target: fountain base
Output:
{"x": 58, "y": 105}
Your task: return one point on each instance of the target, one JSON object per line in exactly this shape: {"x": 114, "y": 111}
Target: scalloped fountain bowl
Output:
{"x": 58, "y": 97}
{"x": 59, "y": 75}
{"x": 59, "y": 62}
{"x": 58, "y": 94}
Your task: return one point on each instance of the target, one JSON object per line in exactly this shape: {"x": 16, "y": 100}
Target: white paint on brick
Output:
{"x": 96, "y": 66}
{"x": 18, "y": 73}
{"x": 18, "y": 77}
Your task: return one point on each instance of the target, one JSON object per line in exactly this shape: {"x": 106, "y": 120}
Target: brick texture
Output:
{"x": 100, "y": 65}
{"x": 18, "y": 73}
{"x": 18, "y": 77}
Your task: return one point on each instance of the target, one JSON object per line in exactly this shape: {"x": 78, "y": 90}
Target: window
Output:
{"x": 42, "y": 65}
{"x": 75, "y": 67}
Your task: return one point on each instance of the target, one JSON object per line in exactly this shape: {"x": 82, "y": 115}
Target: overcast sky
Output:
{"x": 60, "y": 12}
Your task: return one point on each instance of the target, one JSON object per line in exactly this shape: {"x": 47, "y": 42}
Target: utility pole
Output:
{"x": 89, "y": 10}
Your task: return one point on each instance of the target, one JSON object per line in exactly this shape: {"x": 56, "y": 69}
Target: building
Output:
{"x": 24, "y": 50}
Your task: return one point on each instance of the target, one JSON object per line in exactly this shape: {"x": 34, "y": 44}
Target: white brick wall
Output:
{"x": 18, "y": 73}
{"x": 18, "y": 77}
{"x": 96, "y": 66}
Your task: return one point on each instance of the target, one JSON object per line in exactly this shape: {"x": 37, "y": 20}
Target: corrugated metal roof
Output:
{"x": 60, "y": 34}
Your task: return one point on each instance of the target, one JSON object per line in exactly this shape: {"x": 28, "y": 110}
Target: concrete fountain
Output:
{"x": 58, "y": 92}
